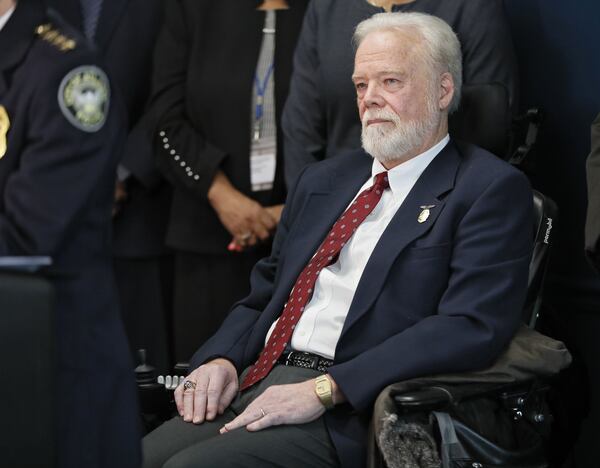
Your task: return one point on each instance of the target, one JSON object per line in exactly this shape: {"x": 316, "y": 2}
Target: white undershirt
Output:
{"x": 320, "y": 326}
{"x": 6, "y": 16}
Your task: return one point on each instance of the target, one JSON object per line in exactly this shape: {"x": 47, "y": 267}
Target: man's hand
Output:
{"x": 216, "y": 387}
{"x": 245, "y": 219}
{"x": 280, "y": 404}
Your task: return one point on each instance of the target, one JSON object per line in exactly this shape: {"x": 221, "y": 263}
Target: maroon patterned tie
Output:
{"x": 301, "y": 293}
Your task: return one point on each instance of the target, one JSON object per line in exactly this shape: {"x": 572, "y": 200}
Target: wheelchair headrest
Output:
{"x": 483, "y": 118}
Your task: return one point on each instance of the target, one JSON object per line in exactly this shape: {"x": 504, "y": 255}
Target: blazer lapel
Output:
{"x": 404, "y": 228}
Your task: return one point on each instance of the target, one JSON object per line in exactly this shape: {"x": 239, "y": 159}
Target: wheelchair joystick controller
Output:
{"x": 144, "y": 373}
{"x": 155, "y": 399}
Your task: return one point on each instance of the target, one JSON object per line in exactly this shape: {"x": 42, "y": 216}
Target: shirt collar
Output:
{"x": 409, "y": 171}
{"x": 6, "y": 16}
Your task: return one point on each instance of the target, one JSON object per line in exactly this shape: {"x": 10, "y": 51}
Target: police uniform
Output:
{"x": 60, "y": 132}
{"x": 125, "y": 35}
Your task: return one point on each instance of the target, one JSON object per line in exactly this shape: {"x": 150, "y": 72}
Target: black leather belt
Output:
{"x": 305, "y": 360}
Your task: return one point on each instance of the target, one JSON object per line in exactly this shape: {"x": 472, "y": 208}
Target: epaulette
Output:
{"x": 48, "y": 33}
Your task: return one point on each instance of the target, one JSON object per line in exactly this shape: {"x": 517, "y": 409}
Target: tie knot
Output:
{"x": 382, "y": 181}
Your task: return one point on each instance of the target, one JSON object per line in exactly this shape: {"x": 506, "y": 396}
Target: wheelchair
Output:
{"x": 477, "y": 424}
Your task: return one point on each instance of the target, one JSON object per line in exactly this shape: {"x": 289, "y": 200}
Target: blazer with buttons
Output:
{"x": 205, "y": 64}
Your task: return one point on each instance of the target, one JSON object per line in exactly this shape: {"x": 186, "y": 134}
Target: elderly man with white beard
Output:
{"x": 403, "y": 259}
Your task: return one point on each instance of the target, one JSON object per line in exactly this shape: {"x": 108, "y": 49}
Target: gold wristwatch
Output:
{"x": 324, "y": 391}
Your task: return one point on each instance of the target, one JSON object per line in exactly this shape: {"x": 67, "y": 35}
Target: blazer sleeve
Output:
{"x": 479, "y": 311}
{"x": 592, "y": 223}
{"x": 183, "y": 153}
{"x": 303, "y": 121}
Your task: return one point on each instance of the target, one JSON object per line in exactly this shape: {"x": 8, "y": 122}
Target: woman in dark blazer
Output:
{"x": 320, "y": 119}
{"x": 205, "y": 65}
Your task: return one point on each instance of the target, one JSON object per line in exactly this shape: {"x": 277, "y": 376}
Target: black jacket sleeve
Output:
{"x": 303, "y": 121}
{"x": 183, "y": 154}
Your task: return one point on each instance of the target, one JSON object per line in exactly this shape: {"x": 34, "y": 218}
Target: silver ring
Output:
{"x": 188, "y": 384}
{"x": 246, "y": 236}
{"x": 262, "y": 411}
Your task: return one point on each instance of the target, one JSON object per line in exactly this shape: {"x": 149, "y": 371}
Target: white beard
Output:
{"x": 391, "y": 141}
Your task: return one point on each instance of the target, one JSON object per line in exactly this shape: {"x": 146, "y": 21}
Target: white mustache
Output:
{"x": 383, "y": 114}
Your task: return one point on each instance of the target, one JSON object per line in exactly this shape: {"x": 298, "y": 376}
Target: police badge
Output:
{"x": 84, "y": 98}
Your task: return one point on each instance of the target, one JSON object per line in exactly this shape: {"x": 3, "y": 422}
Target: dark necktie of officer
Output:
{"x": 327, "y": 253}
{"x": 90, "y": 11}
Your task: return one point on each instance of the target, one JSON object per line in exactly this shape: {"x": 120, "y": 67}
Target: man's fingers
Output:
{"x": 179, "y": 399}
{"x": 268, "y": 420}
{"x": 248, "y": 416}
{"x": 213, "y": 393}
{"x": 227, "y": 396}
{"x": 200, "y": 398}
{"x": 188, "y": 405}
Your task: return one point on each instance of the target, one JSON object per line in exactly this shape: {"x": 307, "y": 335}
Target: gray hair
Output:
{"x": 441, "y": 46}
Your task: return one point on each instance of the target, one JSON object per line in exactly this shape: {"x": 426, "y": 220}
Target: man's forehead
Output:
{"x": 389, "y": 50}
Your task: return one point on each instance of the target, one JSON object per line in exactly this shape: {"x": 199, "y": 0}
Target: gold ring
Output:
{"x": 245, "y": 236}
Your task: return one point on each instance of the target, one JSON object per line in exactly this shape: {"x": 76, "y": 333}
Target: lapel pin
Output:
{"x": 424, "y": 213}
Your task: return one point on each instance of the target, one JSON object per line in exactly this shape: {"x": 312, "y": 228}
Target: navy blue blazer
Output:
{"x": 444, "y": 295}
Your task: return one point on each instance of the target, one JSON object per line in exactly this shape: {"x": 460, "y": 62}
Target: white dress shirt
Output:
{"x": 321, "y": 323}
{"x": 5, "y": 17}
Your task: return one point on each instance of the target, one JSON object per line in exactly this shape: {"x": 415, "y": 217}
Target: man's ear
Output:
{"x": 446, "y": 90}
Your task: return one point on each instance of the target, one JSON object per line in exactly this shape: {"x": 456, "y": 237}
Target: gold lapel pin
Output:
{"x": 424, "y": 213}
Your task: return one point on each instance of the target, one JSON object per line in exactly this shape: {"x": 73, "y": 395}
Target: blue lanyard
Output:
{"x": 261, "y": 88}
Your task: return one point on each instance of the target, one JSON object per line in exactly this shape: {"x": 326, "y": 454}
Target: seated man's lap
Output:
{"x": 177, "y": 444}
{"x": 279, "y": 446}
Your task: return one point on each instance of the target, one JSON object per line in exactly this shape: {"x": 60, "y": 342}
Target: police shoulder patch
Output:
{"x": 84, "y": 97}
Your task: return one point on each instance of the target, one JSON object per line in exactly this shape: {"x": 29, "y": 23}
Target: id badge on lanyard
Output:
{"x": 263, "y": 154}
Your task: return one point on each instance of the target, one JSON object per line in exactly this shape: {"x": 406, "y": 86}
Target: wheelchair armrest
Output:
{"x": 521, "y": 398}
{"x": 425, "y": 399}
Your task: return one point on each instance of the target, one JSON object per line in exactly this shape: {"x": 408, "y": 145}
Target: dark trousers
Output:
{"x": 177, "y": 444}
